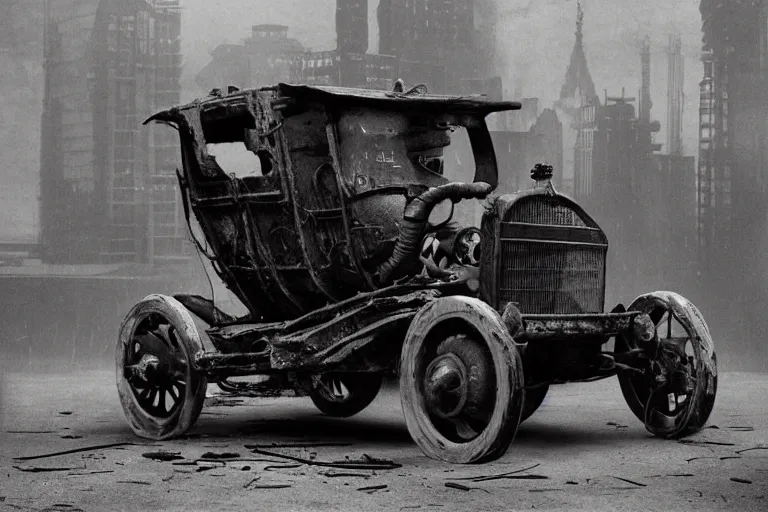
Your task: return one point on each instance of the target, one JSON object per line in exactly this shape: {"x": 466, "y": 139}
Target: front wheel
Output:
{"x": 160, "y": 391}
{"x": 676, "y": 394}
{"x": 342, "y": 395}
{"x": 461, "y": 382}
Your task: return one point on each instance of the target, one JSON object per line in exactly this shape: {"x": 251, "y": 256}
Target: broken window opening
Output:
{"x": 235, "y": 159}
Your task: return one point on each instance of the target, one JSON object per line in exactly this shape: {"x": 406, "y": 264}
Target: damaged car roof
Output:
{"x": 396, "y": 100}
{"x": 352, "y": 97}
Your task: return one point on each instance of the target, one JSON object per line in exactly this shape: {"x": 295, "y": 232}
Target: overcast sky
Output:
{"x": 535, "y": 38}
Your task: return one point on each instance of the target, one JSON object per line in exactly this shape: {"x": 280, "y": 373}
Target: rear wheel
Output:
{"x": 160, "y": 391}
{"x": 344, "y": 394}
{"x": 461, "y": 391}
{"x": 675, "y": 397}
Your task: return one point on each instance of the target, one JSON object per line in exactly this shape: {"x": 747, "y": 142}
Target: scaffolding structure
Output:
{"x": 675, "y": 77}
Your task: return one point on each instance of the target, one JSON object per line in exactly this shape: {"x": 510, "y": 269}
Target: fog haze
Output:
{"x": 534, "y": 41}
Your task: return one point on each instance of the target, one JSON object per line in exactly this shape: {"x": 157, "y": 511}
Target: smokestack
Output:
{"x": 675, "y": 96}
{"x": 352, "y": 26}
{"x": 645, "y": 91}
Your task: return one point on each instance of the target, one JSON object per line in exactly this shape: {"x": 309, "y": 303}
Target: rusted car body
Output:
{"x": 347, "y": 276}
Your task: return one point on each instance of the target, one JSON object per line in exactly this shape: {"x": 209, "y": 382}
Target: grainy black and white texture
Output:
{"x": 696, "y": 226}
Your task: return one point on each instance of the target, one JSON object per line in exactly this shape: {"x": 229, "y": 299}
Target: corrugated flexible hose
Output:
{"x": 416, "y": 218}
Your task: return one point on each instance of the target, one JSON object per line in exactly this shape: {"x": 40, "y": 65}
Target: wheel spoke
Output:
{"x": 336, "y": 388}
{"x": 150, "y": 343}
{"x": 464, "y": 430}
{"x": 669, "y": 324}
{"x": 152, "y": 396}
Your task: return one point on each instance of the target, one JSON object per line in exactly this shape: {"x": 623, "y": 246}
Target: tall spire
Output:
{"x": 577, "y": 78}
{"x": 579, "y": 21}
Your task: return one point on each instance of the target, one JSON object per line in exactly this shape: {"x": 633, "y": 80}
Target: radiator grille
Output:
{"x": 543, "y": 209}
{"x": 552, "y": 277}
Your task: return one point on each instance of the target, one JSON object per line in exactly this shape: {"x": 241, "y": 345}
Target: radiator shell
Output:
{"x": 543, "y": 252}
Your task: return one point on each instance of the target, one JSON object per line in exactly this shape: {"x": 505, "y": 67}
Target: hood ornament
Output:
{"x": 542, "y": 175}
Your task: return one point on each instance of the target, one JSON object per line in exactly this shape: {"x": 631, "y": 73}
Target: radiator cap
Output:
{"x": 542, "y": 172}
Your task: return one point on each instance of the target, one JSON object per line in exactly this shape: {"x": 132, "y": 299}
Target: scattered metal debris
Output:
{"x": 629, "y": 481}
{"x": 499, "y": 476}
{"x": 526, "y": 477}
{"x": 218, "y": 456}
{"x": 62, "y": 507}
{"x": 753, "y": 448}
{"x": 65, "y": 413}
{"x": 283, "y": 466}
{"x": 741, "y": 428}
{"x": 30, "y": 431}
{"x": 694, "y": 441}
{"x": 367, "y": 463}
{"x": 254, "y": 479}
{"x": 331, "y": 474}
{"x": 253, "y": 485}
{"x": 454, "y": 485}
{"x": 76, "y": 450}
{"x": 617, "y": 425}
{"x": 96, "y": 472}
{"x": 373, "y": 488}
{"x": 740, "y": 480}
{"x": 163, "y": 455}
{"x": 137, "y": 482}
{"x": 38, "y": 469}
{"x": 571, "y": 482}
{"x": 295, "y": 445}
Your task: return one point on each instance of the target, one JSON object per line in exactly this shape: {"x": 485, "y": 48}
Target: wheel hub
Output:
{"x": 147, "y": 370}
{"x": 446, "y": 386}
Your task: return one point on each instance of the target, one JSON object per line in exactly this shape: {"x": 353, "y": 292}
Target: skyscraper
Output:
{"x": 107, "y": 183}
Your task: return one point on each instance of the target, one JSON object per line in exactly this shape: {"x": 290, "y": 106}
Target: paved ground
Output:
{"x": 584, "y": 439}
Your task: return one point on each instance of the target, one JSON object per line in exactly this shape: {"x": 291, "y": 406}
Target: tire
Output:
{"x": 159, "y": 327}
{"x": 362, "y": 388}
{"x": 468, "y": 334}
{"x": 639, "y": 392}
{"x": 533, "y": 400}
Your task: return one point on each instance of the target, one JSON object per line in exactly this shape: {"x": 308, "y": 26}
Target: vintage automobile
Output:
{"x": 341, "y": 250}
